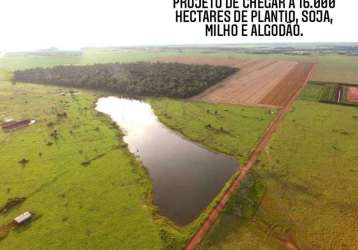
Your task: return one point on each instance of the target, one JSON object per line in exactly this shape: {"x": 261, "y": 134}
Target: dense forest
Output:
{"x": 139, "y": 79}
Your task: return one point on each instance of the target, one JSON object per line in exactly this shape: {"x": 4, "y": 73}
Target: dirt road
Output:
{"x": 244, "y": 171}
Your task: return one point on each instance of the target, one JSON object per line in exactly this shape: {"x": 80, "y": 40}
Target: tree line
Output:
{"x": 137, "y": 79}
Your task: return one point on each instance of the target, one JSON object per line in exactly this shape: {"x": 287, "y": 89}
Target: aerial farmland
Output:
{"x": 180, "y": 148}
{"x": 259, "y": 82}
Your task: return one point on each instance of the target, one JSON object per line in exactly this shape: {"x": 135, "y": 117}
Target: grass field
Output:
{"x": 5, "y": 75}
{"x": 312, "y": 92}
{"x": 26, "y": 61}
{"x": 330, "y": 67}
{"x": 88, "y": 192}
{"x": 320, "y": 93}
{"x": 309, "y": 174}
{"x": 230, "y": 129}
{"x": 78, "y": 177}
{"x": 84, "y": 187}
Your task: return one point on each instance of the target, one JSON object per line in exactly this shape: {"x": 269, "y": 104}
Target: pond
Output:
{"x": 186, "y": 177}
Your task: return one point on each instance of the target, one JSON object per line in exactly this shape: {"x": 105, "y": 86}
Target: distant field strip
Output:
{"x": 333, "y": 93}
{"x": 259, "y": 82}
{"x": 352, "y": 95}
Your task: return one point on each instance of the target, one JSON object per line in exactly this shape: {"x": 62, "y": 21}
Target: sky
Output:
{"x": 72, "y": 24}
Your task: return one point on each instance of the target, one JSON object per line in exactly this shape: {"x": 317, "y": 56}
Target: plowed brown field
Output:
{"x": 288, "y": 86}
{"x": 259, "y": 82}
{"x": 352, "y": 94}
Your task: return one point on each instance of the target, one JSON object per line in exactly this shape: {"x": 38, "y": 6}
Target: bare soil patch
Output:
{"x": 4, "y": 230}
{"x": 9, "y": 126}
{"x": 11, "y": 204}
{"x": 259, "y": 82}
{"x": 288, "y": 86}
{"x": 352, "y": 95}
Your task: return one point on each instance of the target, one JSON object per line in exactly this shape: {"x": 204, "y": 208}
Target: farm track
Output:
{"x": 245, "y": 170}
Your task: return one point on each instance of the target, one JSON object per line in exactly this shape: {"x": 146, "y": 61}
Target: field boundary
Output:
{"x": 245, "y": 170}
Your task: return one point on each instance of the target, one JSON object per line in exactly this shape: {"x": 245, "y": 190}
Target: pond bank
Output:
{"x": 186, "y": 177}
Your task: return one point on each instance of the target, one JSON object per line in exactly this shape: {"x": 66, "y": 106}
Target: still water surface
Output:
{"x": 186, "y": 177}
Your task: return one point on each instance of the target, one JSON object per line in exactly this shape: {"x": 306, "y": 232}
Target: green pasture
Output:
{"x": 329, "y": 67}
{"x": 231, "y": 129}
{"x": 84, "y": 187}
{"x": 309, "y": 174}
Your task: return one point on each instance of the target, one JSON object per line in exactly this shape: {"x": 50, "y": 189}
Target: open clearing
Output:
{"x": 259, "y": 82}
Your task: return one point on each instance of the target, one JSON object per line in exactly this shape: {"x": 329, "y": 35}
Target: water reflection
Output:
{"x": 186, "y": 177}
